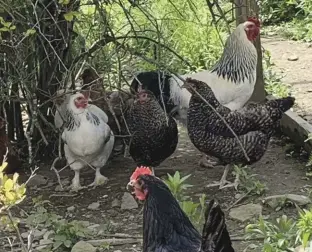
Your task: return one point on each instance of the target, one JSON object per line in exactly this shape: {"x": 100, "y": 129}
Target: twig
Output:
{"x": 122, "y": 235}
{"x": 62, "y": 195}
{"x": 114, "y": 241}
{"x": 56, "y": 172}
{"x": 9, "y": 214}
{"x": 238, "y": 200}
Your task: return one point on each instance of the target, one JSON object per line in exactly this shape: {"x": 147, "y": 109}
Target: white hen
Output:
{"x": 88, "y": 139}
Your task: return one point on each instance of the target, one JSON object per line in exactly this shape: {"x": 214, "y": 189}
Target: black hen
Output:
{"x": 166, "y": 228}
{"x": 254, "y": 124}
{"x": 154, "y": 134}
{"x": 158, "y": 84}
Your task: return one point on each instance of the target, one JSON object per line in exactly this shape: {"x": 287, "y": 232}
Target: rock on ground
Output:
{"x": 128, "y": 202}
{"x": 246, "y": 212}
{"x": 83, "y": 246}
{"x": 94, "y": 205}
{"x": 37, "y": 180}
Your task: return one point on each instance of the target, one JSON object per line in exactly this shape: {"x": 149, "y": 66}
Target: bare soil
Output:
{"x": 296, "y": 73}
{"x": 280, "y": 172}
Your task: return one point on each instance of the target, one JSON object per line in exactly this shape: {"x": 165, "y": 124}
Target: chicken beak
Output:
{"x": 130, "y": 186}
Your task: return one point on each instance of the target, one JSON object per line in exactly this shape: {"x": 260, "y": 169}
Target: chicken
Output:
{"x": 6, "y": 149}
{"x": 93, "y": 87}
{"x": 87, "y": 137}
{"x": 167, "y": 228}
{"x": 154, "y": 135}
{"x": 254, "y": 124}
{"x": 232, "y": 78}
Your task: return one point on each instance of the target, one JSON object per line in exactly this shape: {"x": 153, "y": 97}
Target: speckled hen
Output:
{"x": 155, "y": 134}
{"x": 254, "y": 124}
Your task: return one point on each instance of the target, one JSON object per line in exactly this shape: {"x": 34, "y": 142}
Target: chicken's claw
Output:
{"x": 99, "y": 180}
{"x": 207, "y": 163}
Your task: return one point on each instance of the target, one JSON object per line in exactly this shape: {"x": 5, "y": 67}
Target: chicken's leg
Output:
{"x": 223, "y": 183}
{"x": 207, "y": 162}
{"x": 75, "y": 186}
{"x": 99, "y": 179}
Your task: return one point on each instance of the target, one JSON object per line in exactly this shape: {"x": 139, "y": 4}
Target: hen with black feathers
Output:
{"x": 158, "y": 84}
{"x": 154, "y": 134}
{"x": 254, "y": 124}
{"x": 166, "y": 228}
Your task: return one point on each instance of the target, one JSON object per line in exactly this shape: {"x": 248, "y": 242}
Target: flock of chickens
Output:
{"x": 211, "y": 104}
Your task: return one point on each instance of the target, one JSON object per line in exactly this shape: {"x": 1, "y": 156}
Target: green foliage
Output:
{"x": 183, "y": 26}
{"x": 282, "y": 234}
{"x": 304, "y": 225}
{"x": 273, "y": 82}
{"x": 178, "y": 187}
{"x": 248, "y": 183}
{"x": 278, "y": 235}
{"x": 64, "y": 233}
{"x": 290, "y": 19}
{"x": 11, "y": 193}
{"x": 276, "y": 11}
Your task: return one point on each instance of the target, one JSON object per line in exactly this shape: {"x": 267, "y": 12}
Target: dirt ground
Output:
{"x": 280, "y": 172}
{"x": 296, "y": 73}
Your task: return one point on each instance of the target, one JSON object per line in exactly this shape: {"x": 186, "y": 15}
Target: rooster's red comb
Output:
{"x": 142, "y": 170}
{"x": 254, "y": 20}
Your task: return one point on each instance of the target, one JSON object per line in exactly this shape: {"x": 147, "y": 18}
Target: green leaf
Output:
{"x": 305, "y": 239}
{"x": 69, "y": 16}
{"x": 8, "y": 185}
{"x": 61, "y": 238}
{"x": 30, "y": 32}
{"x": 64, "y": 2}
{"x": 9, "y": 196}
{"x": 57, "y": 244}
{"x": 4, "y": 29}
{"x": 68, "y": 243}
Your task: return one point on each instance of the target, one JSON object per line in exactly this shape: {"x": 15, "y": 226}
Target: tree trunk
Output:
{"x": 243, "y": 9}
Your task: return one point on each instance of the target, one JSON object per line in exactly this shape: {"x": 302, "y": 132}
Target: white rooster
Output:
{"x": 87, "y": 137}
{"x": 232, "y": 79}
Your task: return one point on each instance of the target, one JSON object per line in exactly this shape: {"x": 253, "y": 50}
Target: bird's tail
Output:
{"x": 215, "y": 237}
{"x": 277, "y": 107}
{"x": 283, "y": 104}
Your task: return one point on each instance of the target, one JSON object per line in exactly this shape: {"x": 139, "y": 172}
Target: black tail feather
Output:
{"x": 215, "y": 237}
{"x": 283, "y": 104}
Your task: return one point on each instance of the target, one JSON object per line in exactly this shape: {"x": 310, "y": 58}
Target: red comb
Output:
{"x": 142, "y": 170}
{"x": 254, "y": 20}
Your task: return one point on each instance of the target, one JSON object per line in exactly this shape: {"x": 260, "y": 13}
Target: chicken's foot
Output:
{"x": 207, "y": 162}
{"x": 99, "y": 179}
{"x": 75, "y": 186}
{"x": 223, "y": 183}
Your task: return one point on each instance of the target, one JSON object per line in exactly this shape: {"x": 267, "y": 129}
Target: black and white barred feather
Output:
{"x": 254, "y": 124}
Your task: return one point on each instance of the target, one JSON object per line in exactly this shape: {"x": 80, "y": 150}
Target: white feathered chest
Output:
{"x": 85, "y": 133}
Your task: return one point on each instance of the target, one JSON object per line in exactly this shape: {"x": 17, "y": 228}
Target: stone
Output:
{"x": 128, "y": 202}
{"x": 94, "y": 227}
{"x": 70, "y": 209}
{"x": 246, "y": 212}
{"x": 94, "y": 206}
{"x": 115, "y": 203}
{"x": 37, "y": 180}
{"x": 83, "y": 246}
{"x": 292, "y": 58}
